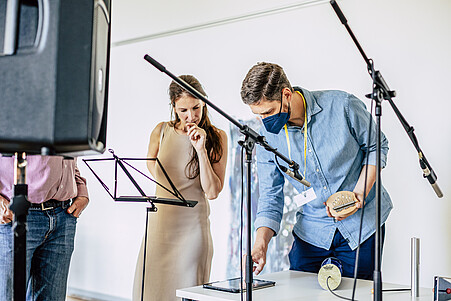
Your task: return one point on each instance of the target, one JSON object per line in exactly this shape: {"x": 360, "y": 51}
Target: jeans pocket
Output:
{"x": 6, "y": 224}
{"x": 71, "y": 217}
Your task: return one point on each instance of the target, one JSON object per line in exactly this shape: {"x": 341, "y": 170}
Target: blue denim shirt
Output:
{"x": 337, "y": 147}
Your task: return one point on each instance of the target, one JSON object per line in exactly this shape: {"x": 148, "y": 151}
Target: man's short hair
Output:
{"x": 264, "y": 81}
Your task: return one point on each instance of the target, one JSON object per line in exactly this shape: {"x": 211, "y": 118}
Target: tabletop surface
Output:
{"x": 294, "y": 285}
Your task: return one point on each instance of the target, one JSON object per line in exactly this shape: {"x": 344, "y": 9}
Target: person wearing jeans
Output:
{"x": 58, "y": 195}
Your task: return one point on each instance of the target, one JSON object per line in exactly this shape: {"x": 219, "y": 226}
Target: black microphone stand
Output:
{"x": 380, "y": 92}
{"x": 251, "y": 137}
{"x": 19, "y": 206}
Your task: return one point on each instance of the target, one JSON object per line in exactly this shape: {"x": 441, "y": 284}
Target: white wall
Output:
{"x": 410, "y": 42}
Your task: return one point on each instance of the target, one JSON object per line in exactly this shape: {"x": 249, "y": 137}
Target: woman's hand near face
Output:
{"x": 196, "y": 135}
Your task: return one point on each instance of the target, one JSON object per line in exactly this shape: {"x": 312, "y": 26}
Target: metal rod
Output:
{"x": 415, "y": 267}
{"x": 377, "y": 276}
{"x": 19, "y": 206}
{"x": 20, "y": 173}
{"x": 249, "y": 262}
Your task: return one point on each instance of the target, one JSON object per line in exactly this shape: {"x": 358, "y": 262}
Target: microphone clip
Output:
{"x": 293, "y": 173}
{"x": 429, "y": 174}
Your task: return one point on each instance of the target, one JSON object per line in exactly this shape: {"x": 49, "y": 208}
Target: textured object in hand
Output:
{"x": 342, "y": 203}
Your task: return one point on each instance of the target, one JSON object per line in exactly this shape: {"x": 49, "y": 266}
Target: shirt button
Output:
{"x": 309, "y": 150}
{"x": 325, "y": 187}
{"x": 61, "y": 186}
{"x": 317, "y": 170}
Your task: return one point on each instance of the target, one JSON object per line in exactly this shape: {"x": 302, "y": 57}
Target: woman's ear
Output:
{"x": 173, "y": 112}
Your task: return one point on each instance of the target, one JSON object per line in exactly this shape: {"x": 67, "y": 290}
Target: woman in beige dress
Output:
{"x": 194, "y": 154}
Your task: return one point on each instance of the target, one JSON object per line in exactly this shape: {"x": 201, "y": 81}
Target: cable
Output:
{"x": 336, "y": 295}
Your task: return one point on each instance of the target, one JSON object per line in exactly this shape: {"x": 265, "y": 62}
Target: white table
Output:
{"x": 293, "y": 285}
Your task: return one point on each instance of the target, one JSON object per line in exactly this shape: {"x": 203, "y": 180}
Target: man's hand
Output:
{"x": 78, "y": 205}
{"x": 358, "y": 190}
{"x": 259, "y": 257}
{"x": 6, "y": 215}
{"x": 258, "y": 252}
{"x": 359, "y": 204}
{"x": 360, "y": 199}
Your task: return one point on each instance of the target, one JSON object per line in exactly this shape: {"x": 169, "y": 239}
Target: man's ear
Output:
{"x": 288, "y": 94}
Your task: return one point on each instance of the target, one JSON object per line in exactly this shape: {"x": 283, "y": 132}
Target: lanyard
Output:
{"x": 305, "y": 135}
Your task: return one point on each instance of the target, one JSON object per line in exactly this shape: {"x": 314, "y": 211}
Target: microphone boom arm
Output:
{"x": 251, "y": 137}
{"x": 244, "y": 129}
{"x": 382, "y": 91}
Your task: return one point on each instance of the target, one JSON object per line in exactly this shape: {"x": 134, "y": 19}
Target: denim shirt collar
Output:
{"x": 312, "y": 105}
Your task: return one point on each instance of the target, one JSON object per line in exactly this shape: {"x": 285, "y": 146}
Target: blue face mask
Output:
{"x": 275, "y": 123}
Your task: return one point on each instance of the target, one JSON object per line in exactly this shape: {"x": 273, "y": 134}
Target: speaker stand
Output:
{"x": 19, "y": 206}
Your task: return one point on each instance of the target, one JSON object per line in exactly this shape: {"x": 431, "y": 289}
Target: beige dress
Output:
{"x": 179, "y": 244}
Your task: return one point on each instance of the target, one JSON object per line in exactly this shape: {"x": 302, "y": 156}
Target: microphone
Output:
{"x": 295, "y": 175}
{"x": 338, "y": 11}
{"x": 432, "y": 178}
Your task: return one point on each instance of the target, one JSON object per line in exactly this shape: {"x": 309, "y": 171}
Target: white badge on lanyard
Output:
{"x": 304, "y": 197}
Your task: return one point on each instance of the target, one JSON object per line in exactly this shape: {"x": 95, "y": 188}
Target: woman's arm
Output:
{"x": 154, "y": 146}
{"x": 212, "y": 175}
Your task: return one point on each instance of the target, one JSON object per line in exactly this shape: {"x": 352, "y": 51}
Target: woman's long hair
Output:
{"x": 213, "y": 143}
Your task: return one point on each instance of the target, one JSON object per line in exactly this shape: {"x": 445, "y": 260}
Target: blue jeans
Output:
{"x": 50, "y": 243}
{"x": 308, "y": 258}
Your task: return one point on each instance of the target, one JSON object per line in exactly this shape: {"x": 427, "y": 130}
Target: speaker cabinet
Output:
{"x": 54, "y": 65}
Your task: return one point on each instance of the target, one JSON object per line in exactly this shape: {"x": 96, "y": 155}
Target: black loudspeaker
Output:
{"x": 54, "y": 66}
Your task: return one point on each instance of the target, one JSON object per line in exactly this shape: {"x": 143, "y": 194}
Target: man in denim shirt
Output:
{"x": 333, "y": 125}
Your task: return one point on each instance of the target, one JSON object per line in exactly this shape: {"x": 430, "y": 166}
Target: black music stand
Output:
{"x": 178, "y": 199}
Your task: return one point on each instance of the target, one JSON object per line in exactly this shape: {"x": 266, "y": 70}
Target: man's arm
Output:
{"x": 81, "y": 200}
{"x": 359, "y": 188}
{"x": 258, "y": 253}
{"x": 359, "y": 120}
{"x": 270, "y": 206}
